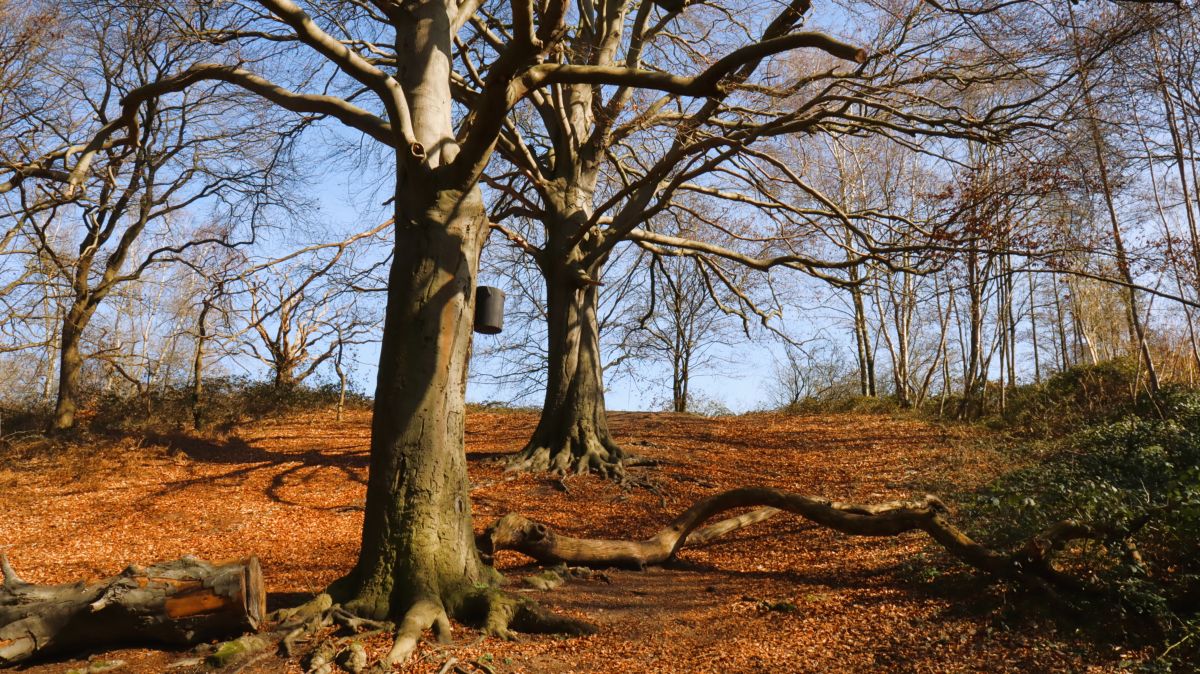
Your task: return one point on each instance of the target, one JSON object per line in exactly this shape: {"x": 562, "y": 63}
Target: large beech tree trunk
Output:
{"x": 418, "y": 551}
{"x": 182, "y": 602}
{"x": 418, "y": 563}
{"x": 572, "y": 434}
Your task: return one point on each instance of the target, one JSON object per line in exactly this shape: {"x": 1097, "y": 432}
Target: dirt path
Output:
{"x": 291, "y": 492}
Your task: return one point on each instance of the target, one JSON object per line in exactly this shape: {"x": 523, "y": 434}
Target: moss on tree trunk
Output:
{"x": 418, "y": 546}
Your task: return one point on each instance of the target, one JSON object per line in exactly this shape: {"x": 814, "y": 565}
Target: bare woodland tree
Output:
{"x": 182, "y": 151}
{"x": 594, "y": 171}
{"x": 681, "y": 325}
{"x": 590, "y": 107}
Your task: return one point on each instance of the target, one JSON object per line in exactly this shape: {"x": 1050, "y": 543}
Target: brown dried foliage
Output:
{"x": 782, "y": 596}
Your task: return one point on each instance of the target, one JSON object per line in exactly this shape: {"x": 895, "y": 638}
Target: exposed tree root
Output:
{"x": 712, "y": 532}
{"x": 494, "y": 612}
{"x": 580, "y": 453}
{"x": 1029, "y": 565}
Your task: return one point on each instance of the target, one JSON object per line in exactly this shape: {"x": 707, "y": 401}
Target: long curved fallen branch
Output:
{"x": 1029, "y": 564}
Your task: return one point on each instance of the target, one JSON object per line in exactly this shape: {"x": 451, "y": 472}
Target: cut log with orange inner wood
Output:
{"x": 181, "y": 602}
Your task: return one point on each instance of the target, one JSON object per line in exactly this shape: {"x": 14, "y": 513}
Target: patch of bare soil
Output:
{"x": 782, "y": 596}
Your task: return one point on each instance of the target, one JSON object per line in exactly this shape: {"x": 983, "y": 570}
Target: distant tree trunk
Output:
{"x": 1064, "y": 345}
{"x": 862, "y": 337}
{"x": 284, "y": 377}
{"x": 1010, "y": 318}
{"x": 1033, "y": 331}
{"x": 1137, "y": 331}
{"x": 903, "y": 312}
{"x": 70, "y": 364}
{"x": 974, "y": 376}
{"x": 341, "y": 374}
{"x": 939, "y": 354}
{"x": 679, "y": 380}
{"x": 53, "y": 324}
{"x": 198, "y": 363}
{"x": 862, "y": 340}
{"x": 1186, "y": 192}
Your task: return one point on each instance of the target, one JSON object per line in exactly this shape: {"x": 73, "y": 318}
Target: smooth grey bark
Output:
{"x": 862, "y": 339}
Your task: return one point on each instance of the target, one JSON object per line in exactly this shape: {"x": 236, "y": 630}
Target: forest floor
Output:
{"x": 783, "y": 596}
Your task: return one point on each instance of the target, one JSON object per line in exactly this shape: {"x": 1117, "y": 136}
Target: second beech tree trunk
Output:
{"x": 573, "y": 434}
{"x": 70, "y": 365}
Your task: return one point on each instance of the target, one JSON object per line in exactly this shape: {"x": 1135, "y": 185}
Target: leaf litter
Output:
{"x": 781, "y": 596}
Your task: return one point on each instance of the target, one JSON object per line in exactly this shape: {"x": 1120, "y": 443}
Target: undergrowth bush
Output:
{"x": 501, "y": 406}
{"x": 843, "y": 403}
{"x": 20, "y": 418}
{"x": 1131, "y": 466}
{"x": 1074, "y": 398}
{"x": 226, "y": 401}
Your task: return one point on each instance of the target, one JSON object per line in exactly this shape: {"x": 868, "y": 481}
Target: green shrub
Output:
{"x": 1139, "y": 471}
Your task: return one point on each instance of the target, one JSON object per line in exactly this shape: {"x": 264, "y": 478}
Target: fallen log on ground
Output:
{"x": 182, "y": 602}
{"x": 1029, "y": 564}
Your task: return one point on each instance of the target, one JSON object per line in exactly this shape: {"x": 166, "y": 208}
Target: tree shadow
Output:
{"x": 250, "y": 459}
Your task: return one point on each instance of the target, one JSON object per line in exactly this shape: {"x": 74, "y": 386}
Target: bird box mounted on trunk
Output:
{"x": 489, "y": 310}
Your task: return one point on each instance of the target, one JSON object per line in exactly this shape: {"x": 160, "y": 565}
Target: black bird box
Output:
{"x": 489, "y": 310}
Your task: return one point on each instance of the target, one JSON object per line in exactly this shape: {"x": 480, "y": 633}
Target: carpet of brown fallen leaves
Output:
{"x": 290, "y": 491}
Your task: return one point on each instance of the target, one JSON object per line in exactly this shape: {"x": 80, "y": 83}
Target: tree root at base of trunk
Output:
{"x": 572, "y": 457}
{"x": 576, "y": 455}
{"x": 487, "y": 608}
{"x": 1030, "y": 564}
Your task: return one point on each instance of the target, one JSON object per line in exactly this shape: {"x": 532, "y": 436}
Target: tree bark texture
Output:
{"x": 70, "y": 368}
{"x": 572, "y": 435}
{"x": 182, "y": 602}
{"x": 418, "y": 547}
